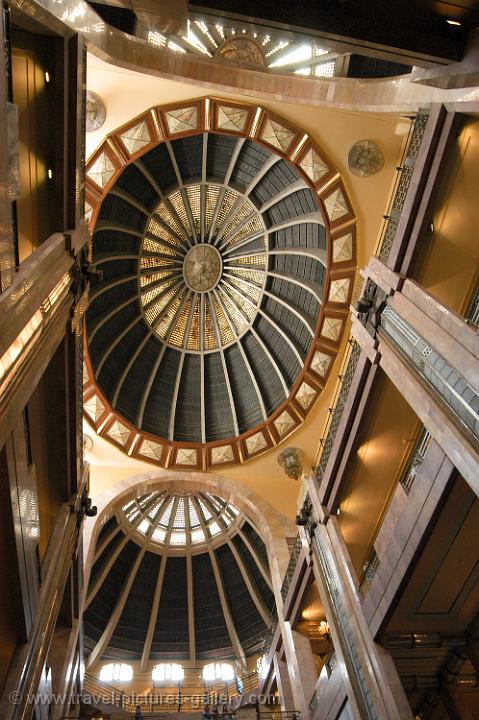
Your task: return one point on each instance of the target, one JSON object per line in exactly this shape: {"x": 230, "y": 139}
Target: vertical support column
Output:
{"x": 283, "y": 682}
{"x": 301, "y": 667}
{"x": 372, "y": 684}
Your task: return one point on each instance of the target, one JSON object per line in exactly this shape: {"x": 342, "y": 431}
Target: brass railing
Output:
{"x": 402, "y": 183}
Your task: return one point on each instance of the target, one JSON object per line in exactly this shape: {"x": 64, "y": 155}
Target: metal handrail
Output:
{"x": 64, "y": 539}
{"x": 415, "y": 459}
{"x": 472, "y": 314}
{"x": 293, "y": 561}
{"x": 409, "y": 343}
{"x": 336, "y": 411}
{"x": 401, "y": 184}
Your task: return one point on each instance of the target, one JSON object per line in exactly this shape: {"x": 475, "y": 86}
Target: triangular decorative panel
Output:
{"x": 343, "y": 248}
{"x": 136, "y": 137}
{"x": 305, "y": 395}
{"x": 186, "y": 456}
{"x": 255, "y": 443}
{"x": 230, "y": 118}
{"x": 339, "y": 290}
{"x": 94, "y": 408}
{"x": 182, "y": 120}
{"x": 332, "y": 328}
{"x": 119, "y": 432}
{"x": 320, "y": 363}
{"x": 313, "y": 166}
{"x": 102, "y": 170}
{"x": 277, "y": 135}
{"x": 222, "y": 454}
{"x": 284, "y": 423}
{"x": 336, "y": 205}
{"x": 151, "y": 449}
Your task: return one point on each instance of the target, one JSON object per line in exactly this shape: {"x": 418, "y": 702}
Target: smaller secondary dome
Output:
{"x": 179, "y": 574}
{"x": 180, "y": 520}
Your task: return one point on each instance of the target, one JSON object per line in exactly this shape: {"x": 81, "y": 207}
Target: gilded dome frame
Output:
{"x": 227, "y": 117}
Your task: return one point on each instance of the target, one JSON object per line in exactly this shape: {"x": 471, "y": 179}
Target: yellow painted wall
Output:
{"x": 386, "y": 439}
{"x": 449, "y": 267}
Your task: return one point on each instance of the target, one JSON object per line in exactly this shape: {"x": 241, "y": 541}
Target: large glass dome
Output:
{"x": 201, "y": 278}
{"x": 226, "y": 241}
{"x": 180, "y": 520}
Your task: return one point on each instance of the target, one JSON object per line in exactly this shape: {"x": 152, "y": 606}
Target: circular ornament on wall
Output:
{"x": 365, "y": 158}
{"x": 95, "y": 112}
{"x": 243, "y": 51}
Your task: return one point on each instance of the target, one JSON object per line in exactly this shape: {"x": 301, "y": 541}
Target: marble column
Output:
{"x": 373, "y": 687}
{"x": 301, "y": 668}
{"x": 283, "y": 682}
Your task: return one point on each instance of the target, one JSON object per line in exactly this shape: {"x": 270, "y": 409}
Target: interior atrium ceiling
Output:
{"x": 226, "y": 243}
{"x": 198, "y": 581}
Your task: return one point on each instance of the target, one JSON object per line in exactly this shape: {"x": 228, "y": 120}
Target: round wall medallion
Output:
{"x": 365, "y": 158}
{"x": 202, "y": 267}
{"x": 95, "y": 112}
{"x": 243, "y": 51}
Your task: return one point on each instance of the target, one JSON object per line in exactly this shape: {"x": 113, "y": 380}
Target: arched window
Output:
{"x": 116, "y": 672}
{"x": 218, "y": 671}
{"x": 165, "y": 672}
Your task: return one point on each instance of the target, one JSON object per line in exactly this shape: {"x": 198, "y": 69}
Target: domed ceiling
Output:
{"x": 194, "y": 579}
{"x": 226, "y": 242}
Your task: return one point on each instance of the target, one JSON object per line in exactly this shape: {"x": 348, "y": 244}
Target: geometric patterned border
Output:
{"x": 228, "y": 117}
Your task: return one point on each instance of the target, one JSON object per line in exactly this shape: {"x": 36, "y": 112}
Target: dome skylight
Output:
{"x": 180, "y": 520}
{"x": 196, "y": 262}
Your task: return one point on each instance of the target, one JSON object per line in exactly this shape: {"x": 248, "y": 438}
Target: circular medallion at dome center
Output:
{"x": 202, "y": 267}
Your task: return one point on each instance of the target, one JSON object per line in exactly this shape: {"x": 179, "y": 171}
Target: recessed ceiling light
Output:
{"x": 453, "y": 22}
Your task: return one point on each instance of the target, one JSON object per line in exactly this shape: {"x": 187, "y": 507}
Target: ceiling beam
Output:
{"x": 153, "y": 614}
{"x": 257, "y": 559}
{"x": 235, "y": 641}
{"x": 223, "y": 364}
{"x": 107, "y": 633}
{"x": 257, "y": 599}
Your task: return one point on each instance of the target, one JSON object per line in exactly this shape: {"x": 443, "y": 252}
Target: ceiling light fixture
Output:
{"x": 456, "y": 23}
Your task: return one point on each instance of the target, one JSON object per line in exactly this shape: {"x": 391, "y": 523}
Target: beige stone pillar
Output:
{"x": 283, "y": 682}
{"x": 301, "y": 668}
{"x": 371, "y": 680}
{"x": 451, "y": 338}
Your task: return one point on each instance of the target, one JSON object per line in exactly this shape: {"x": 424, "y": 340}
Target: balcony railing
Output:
{"x": 415, "y": 459}
{"x": 401, "y": 185}
{"x": 293, "y": 561}
{"x": 268, "y": 635}
{"x": 446, "y": 382}
{"x": 184, "y": 698}
{"x": 336, "y": 412}
{"x": 472, "y": 315}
